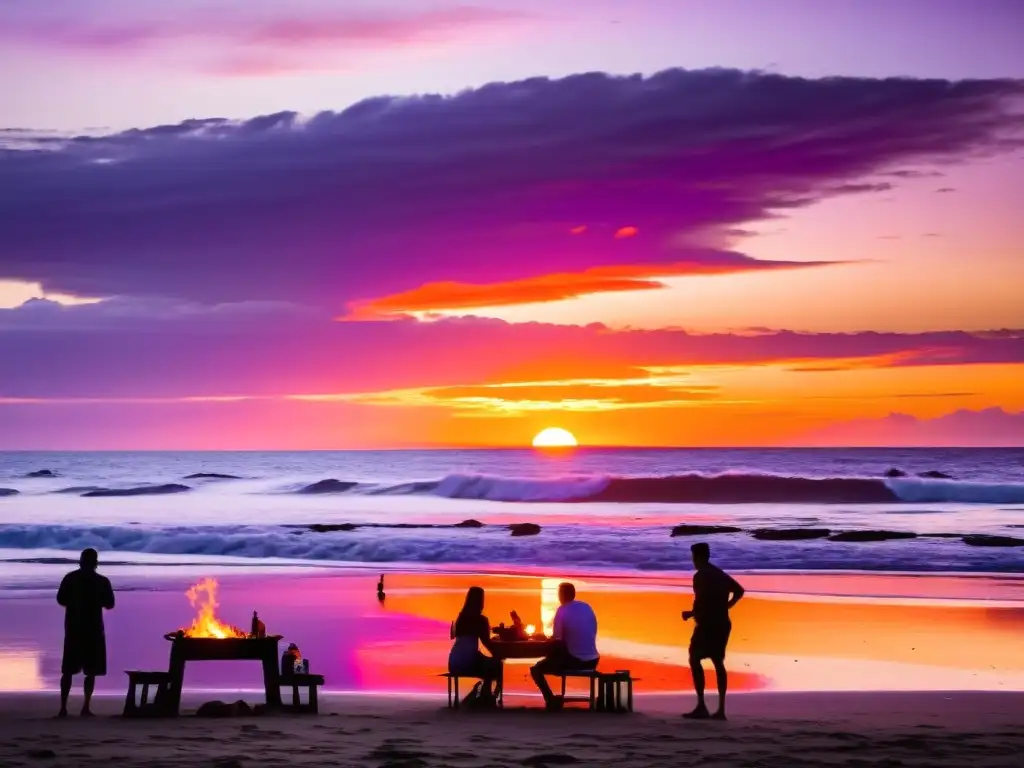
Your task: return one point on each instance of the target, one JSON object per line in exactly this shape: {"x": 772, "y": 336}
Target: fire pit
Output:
{"x": 208, "y": 639}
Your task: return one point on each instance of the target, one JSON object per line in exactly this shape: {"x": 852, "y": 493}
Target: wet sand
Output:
{"x": 836, "y": 729}
{"x": 810, "y": 632}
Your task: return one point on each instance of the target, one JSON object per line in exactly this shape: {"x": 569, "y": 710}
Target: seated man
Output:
{"x": 576, "y": 632}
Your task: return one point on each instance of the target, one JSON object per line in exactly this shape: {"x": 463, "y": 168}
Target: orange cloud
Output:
{"x": 624, "y": 232}
{"x": 578, "y": 230}
{"x": 454, "y": 296}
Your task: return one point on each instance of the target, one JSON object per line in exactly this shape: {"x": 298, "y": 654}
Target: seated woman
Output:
{"x": 471, "y": 629}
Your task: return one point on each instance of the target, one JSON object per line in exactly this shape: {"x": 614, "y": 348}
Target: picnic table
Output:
{"x": 518, "y": 649}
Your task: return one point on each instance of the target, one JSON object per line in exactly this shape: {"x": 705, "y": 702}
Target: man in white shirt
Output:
{"x": 576, "y": 630}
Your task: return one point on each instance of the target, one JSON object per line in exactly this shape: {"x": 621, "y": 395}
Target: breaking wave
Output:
{"x": 729, "y": 488}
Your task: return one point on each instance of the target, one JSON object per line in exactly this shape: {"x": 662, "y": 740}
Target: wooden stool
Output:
{"x": 610, "y": 691}
{"x": 162, "y": 681}
{"x": 311, "y": 683}
{"x": 588, "y": 674}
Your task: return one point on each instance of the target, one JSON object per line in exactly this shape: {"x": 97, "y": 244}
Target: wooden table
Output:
{"x": 262, "y": 649}
{"x": 518, "y": 649}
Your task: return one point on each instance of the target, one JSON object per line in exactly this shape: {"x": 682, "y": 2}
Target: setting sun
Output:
{"x": 554, "y": 437}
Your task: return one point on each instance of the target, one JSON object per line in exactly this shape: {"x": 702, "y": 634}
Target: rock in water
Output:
{"x": 703, "y": 530}
{"x": 469, "y": 524}
{"x": 42, "y": 473}
{"x": 893, "y": 472}
{"x": 933, "y": 474}
{"x": 790, "y": 534}
{"x": 983, "y": 540}
{"x": 524, "y": 529}
{"x": 211, "y": 476}
{"x": 9, "y": 492}
{"x": 329, "y": 486}
{"x": 866, "y": 536}
{"x": 332, "y": 527}
{"x": 148, "y": 490}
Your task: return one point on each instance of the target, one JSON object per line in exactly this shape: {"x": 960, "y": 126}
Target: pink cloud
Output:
{"x": 281, "y": 33}
{"x": 992, "y": 427}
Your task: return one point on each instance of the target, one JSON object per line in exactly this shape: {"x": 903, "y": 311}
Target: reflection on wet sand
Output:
{"x": 928, "y": 633}
{"x": 19, "y": 670}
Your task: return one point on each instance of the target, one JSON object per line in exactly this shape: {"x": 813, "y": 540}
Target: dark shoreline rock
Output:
{"x": 347, "y": 527}
{"x": 42, "y": 473}
{"x": 790, "y": 534}
{"x": 894, "y": 472}
{"x": 9, "y": 492}
{"x": 328, "y": 486}
{"x": 524, "y": 529}
{"x": 147, "y": 490}
{"x": 985, "y": 540}
{"x": 933, "y": 474}
{"x": 211, "y": 476}
{"x": 331, "y": 528}
{"x": 868, "y": 536}
{"x": 80, "y": 489}
{"x": 703, "y": 530}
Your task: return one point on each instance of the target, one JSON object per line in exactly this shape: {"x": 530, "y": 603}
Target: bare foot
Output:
{"x": 62, "y": 714}
{"x": 719, "y": 715}
{"x": 700, "y": 713}
{"x": 87, "y": 713}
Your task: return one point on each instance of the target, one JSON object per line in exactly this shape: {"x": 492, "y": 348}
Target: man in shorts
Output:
{"x": 714, "y": 593}
{"x": 84, "y": 594}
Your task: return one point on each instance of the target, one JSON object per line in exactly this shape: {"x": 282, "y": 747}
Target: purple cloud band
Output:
{"x": 480, "y": 187}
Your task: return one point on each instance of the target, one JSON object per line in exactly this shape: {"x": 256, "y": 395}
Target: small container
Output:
{"x": 302, "y": 666}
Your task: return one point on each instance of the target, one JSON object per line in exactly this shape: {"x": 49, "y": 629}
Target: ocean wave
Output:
{"x": 728, "y": 488}
{"x": 638, "y": 548}
{"x": 686, "y": 488}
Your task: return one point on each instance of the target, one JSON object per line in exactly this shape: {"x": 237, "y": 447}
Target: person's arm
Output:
{"x": 108, "y": 595}
{"x": 63, "y": 593}
{"x": 558, "y": 628}
{"x": 687, "y": 615}
{"x": 736, "y": 590}
{"x": 485, "y": 635}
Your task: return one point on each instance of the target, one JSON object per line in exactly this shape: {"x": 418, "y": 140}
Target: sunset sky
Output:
{"x": 399, "y": 223}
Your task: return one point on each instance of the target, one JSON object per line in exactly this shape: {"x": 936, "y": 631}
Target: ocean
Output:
{"x": 607, "y": 510}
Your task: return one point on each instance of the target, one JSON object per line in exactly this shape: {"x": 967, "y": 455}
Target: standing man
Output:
{"x": 84, "y": 594}
{"x": 714, "y": 593}
{"x": 575, "y": 629}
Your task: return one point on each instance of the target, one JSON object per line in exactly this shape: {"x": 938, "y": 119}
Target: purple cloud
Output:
{"x": 480, "y": 187}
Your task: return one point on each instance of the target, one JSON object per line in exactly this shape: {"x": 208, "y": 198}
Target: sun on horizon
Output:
{"x": 554, "y": 437}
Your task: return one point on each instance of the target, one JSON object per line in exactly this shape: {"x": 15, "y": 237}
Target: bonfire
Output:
{"x": 203, "y": 597}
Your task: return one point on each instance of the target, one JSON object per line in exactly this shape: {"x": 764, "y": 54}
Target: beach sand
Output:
{"x": 810, "y": 654}
{"x": 809, "y": 729}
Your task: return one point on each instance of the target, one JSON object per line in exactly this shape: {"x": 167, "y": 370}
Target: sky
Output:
{"x": 399, "y": 223}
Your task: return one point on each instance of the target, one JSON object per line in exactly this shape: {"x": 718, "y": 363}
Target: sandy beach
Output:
{"x": 851, "y": 729}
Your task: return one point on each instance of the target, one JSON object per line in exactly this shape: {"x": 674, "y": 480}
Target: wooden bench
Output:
{"x": 453, "y": 690}
{"x": 144, "y": 707}
{"x": 605, "y": 689}
{"x": 311, "y": 683}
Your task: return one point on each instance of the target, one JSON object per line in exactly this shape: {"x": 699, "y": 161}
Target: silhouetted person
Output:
{"x": 714, "y": 593}
{"x": 380, "y": 589}
{"x": 471, "y": 630}
{"x": 575, "y": 630}
{"x": 84, "y": 594}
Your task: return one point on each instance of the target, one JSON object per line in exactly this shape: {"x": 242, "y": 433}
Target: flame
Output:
{"x": 203, "y": 597}
{"x": 530, "y": 629}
